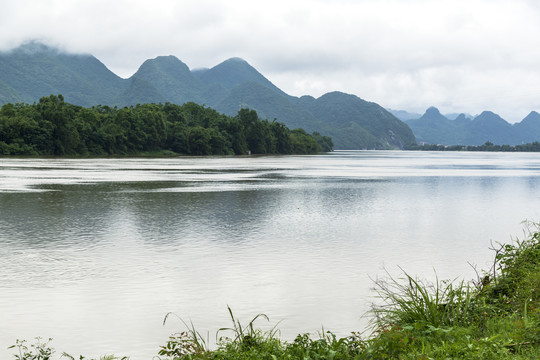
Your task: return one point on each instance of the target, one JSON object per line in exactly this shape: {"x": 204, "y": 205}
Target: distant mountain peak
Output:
{"x": 433, "y": 114}
{"x": 168, "y": 58}
{"x": 33, "y": 47}
{"x": 533, "y": 117}
{"x": 170, "y": 77}
{"x": 171, "y": 62}
{"x": 233, "y": 72}
{"x": 335, "y": 94}
{"x": 489, "y": 117}
{"x": 487, "y": 113}
{"x": 461, "y": 117}
{"x": 533, "y": 114}
{"x": 432, "y": 110}
{"x": 236, "y": 59}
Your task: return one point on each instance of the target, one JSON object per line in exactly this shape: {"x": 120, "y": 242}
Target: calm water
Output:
{"x": 95, "y": 252}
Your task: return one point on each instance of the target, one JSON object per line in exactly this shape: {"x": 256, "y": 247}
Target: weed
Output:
{"x": 186, "y": 344}
{"x": 247, "y": 336}
{"x": 37, "y": 351}
{"x": 42, "y": 351}
{"x": 104, "y": 357}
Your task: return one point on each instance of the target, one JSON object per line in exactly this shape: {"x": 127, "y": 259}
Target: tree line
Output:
{"x": 488, "y": 146}
{"x": 55, "y": 127}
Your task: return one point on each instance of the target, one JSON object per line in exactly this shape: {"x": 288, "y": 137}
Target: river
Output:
{"x": 95, "y": 252}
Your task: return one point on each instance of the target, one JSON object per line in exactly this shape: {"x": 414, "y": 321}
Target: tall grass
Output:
{"x": 410, "y": 301}
{"x": 249, "y": 335}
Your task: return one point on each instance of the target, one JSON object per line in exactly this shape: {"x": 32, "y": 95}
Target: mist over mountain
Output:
{"x": 34, "y": 70}
{"x": 434, "y": 128}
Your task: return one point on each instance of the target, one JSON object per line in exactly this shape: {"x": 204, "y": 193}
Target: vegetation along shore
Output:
{"x": 488, "y": 146}
{"x": 496, "y": 316}
{"x": 55, "y": 127}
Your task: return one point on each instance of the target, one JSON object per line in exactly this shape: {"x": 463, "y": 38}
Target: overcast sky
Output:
{"x": 457, "y": 55}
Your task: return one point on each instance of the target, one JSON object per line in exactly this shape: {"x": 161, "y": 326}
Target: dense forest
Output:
{"x": 488, "y": 146}
{"x": 55, "y": 127}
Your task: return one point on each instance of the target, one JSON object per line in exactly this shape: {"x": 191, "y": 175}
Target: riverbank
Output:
{"x": 496, "y": 316}
{"x": 488, "y": 146}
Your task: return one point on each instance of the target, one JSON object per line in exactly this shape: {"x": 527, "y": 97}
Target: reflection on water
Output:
{"x": 94, "y": 252}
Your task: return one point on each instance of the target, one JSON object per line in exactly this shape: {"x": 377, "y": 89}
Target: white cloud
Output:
{"x": 458, "y": 55}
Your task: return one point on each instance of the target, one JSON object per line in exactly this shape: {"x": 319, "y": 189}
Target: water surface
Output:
{"x": 94, "y": 252}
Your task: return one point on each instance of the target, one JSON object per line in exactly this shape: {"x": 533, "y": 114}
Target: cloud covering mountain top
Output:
{"x": 460, "y": 55}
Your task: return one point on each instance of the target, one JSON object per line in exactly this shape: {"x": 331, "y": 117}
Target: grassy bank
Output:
{"x": 496, "y": 316}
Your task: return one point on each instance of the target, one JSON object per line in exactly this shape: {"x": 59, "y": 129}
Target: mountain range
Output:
{"x": 405, "y": 115}
{"x": 434, "y": 128}
{"x": 34, "y": 70}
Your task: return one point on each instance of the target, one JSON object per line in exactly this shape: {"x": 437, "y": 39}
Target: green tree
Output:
{"x": 65, "y": 136}
{"x": 199, "y": 141}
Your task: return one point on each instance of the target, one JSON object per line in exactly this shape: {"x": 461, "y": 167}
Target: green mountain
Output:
{"x": 171, "y": 78}
{"x": 359, "y": 123}
{"x": 34, "y": 70}
{"x": 8, "y": 94}
{"x": 269, "y": 104}
{"x": 405, "y": 115}
{"x": 489, "y": 126}
{"x": 528, "y": 130}
{"x": 139, "y": 91}
{"x": 234, "y": 72}
{"x": 352, "y": 122}
{"x": 435, "y": 128}
{"x": 241, "y": 85}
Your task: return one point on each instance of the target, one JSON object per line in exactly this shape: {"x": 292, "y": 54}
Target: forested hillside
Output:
{"x": 34, "y": 70}
{"x": 55, "y": 127}
{"x": 358, "y": 122}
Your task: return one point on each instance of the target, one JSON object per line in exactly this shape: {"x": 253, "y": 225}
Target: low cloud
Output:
{"x": 460, "y": 55}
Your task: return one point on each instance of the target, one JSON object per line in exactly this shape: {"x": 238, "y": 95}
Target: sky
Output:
{"x": 457, "y": 55}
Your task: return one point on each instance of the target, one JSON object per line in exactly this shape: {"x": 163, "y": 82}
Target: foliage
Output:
{"x": 42, "y": 351}
{"x": 182, "y": 345}
{"x": 488, "y": 146}
{"x": 325, "y": 142}
{"x": 54, "y": 127}
{"x": 185, "y": 344}
{"x": 327, "y": 346}
{"x": 37, "y": 351}
{"x": 515, "y": 283}
{"x": 495, "y": 317}
{"x": 412, "y": 302}
{"x": 104, "y": 357}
